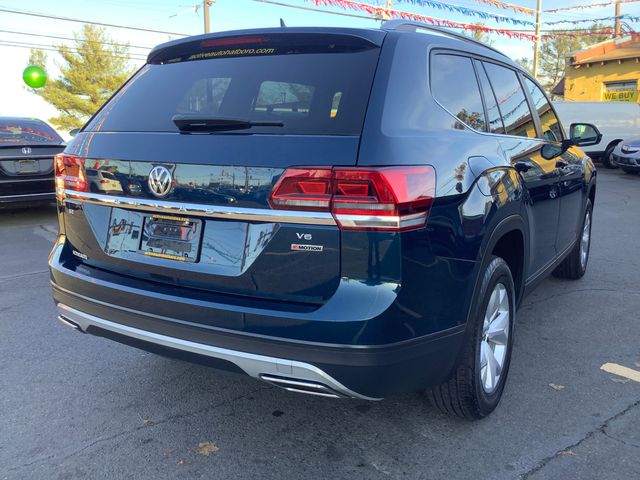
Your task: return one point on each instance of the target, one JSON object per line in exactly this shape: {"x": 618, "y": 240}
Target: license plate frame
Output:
{"x": 27, "y": 165}
{"x": 171, "y": 237}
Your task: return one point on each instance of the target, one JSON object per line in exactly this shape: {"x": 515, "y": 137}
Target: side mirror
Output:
{"x": 74, "y": 132}
{"x": 584, "y": 135}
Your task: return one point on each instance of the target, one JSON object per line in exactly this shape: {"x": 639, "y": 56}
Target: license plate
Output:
{"x": 172, "y": 238}
{"x": 27, "y": 166}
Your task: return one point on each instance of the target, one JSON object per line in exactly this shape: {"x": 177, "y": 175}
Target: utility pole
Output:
{"x": 536, "y": 47}
{"x": 206, "y": 4}
{"x": 618, "y": 24}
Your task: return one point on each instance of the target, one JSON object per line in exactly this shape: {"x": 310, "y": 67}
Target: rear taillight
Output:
{"x": 389, "y": 198}
{"x": 70, "y": 174}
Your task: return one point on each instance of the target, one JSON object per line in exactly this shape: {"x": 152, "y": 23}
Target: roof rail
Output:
{"x": 414, "y": 26}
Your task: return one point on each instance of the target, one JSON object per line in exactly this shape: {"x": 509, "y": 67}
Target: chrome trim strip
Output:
{"x": 45, "y": 196}
{"x": 199, "y": 210}
{"x": 28, "y": 156}
{"x": 45, "y": 177}
{"x": 252, "y": 364}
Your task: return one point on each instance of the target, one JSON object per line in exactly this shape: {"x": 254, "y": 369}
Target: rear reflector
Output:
{"x": 70, "y": 174}
{"x": 389, "y": 198}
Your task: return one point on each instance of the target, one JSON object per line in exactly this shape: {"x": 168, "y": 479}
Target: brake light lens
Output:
{"x": 220, "y": 42}
{"x": 70, "y": 174}
{"x": 389, "y": 198}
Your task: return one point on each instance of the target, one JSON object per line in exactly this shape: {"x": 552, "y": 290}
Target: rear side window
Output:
{"x": 493, "y": 111}
{"x": 512, "y": 101}
{"x": 312, "y": 84}
{"x": 454, "y": 86}
{"x": 550, "y": 124}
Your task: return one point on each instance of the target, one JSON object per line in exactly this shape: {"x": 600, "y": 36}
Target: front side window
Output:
{"x": 454, "y": 86}
{"x": 516, "y": 115}
{"x": 550, "y": 125}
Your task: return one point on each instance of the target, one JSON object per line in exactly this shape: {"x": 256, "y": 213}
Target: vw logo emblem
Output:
{"x": 26, "y": 150}
{"x": 160, "y": 181}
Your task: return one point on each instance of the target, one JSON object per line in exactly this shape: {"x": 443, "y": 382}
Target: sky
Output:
{"x": 179, "y": 16}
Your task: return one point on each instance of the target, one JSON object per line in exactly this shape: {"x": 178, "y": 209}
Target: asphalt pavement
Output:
{"x": 73, "y": 406}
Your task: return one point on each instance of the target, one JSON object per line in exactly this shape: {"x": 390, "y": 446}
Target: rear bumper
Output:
{"x": 293, "y": 375}
{"x": 328, "y": 369}
{"x": 629, "y": 163}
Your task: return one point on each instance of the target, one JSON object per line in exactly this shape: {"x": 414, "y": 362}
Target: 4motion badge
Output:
{"x": 301, "y": 247}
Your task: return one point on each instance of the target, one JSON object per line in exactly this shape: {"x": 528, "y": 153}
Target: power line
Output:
{"x": 69, "y": 19}
{"x": 10, "y": 43}
{"x": 71, "y": 38}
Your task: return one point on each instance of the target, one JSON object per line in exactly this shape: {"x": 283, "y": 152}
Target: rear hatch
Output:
{"x": 171, "y": 180}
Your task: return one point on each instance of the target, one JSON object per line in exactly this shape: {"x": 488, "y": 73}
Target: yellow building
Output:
{"x": 607, "y": 71}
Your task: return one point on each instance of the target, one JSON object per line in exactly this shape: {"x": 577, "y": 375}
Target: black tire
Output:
{"x": 629, "y": 171}
{"x": 463, "y": 394}
{"x": 607, "y": 159}
{"x": 573, "y": 267}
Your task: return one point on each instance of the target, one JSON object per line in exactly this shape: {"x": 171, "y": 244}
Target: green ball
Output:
{"x": 34, "y": 76}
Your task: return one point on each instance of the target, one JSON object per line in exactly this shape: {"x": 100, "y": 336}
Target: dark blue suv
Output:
{"x": 339, "y": 212}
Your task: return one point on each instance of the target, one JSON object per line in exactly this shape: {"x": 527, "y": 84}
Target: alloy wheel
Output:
{"x": 585, "y": 239}
{"x": 495, "y": 338}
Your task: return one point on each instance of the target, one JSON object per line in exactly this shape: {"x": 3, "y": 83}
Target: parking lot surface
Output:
{"x": 76, "y": 406}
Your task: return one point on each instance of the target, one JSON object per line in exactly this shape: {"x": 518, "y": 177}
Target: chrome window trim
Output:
{"x": 199, "y": 210}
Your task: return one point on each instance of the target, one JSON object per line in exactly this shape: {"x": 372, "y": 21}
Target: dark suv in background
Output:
{"x": 396, "y": 193}
{"x": 27, "y": 148}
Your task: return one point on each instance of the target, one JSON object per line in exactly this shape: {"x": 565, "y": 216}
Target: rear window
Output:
{"x": 314, "y": 87}
{"x": 24, "y": 131}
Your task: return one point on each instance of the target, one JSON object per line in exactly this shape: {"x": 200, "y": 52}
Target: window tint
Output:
{"x": 514, "y": 108}
{"x": 550, "y": 124}
{"x": 295, "y": 82}
{"x": 454, "y": 86}
{"x": 290, "y": 100}
{"x": 25, "y": 131}
{"x": 493, "y": 112}
{"x": 205, "y": 96}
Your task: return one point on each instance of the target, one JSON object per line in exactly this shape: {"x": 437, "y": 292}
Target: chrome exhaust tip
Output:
{"x": 301, "y": 386}
{"x": 69, "y": 323}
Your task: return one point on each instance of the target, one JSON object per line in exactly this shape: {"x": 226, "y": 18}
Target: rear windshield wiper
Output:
{"x": 203, "y": 123}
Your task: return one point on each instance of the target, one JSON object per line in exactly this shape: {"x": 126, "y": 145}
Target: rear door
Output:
{"x": 191, "y": 208}
{"x": 539, "y": 174}
{"x": 570, "y": 168}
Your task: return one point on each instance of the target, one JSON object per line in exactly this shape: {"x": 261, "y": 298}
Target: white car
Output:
{"x": 101, "y": 181}
{"x": 617, "y": 121}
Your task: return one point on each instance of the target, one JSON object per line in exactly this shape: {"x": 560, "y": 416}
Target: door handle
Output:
{"x": 561, "y": 164}
{"x": 522, "y": 167}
